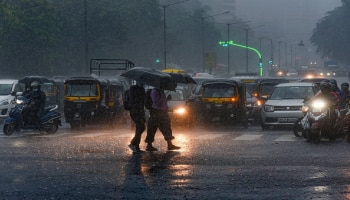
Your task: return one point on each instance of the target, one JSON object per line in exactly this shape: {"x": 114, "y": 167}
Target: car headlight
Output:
{"x": 180, "y": 111}
{"x": 269, "y": 108}
{"x": 304, "y": 109}
{"x": 4, "y": 103}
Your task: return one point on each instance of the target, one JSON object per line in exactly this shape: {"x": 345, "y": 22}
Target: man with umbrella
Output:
{"x": 137, "y": 113}
{"x": 159, "y": 118}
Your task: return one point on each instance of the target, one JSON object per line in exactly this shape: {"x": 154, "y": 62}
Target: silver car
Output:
{"x": 283, "y": 107}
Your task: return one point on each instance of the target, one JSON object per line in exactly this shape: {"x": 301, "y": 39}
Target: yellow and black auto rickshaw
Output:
{"x": 89, "y": 100}
{"x": 224, "y": 100}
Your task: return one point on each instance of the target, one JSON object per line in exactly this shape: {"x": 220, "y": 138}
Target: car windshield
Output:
{"x": 218, "y": 90}
{"x": 5, "y": 89}
{"x": 292, "y": 92}
{"x": 81, "y": 90}
{"x": 267, "y": 88}
{"x": 177, "y": 95}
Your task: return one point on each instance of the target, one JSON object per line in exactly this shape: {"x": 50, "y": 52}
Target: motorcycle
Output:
{"x": 323, "y": 122}
{"x": 18, "y": 119}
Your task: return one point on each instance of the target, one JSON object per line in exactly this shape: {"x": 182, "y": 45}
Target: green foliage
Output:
{"x": 332, "y": 34}
{"x": 50, "y": 37}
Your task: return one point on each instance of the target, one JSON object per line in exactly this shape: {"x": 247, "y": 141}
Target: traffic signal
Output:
{"x": 270, "y": 62}
{"x": 157, "y": 61}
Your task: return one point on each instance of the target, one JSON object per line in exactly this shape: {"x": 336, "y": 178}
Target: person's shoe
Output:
{"x": 138, "y": 151}
{"x": 173, "y": 147}
{"x": 151, "y": 148}
{"x": 133, "y": 148}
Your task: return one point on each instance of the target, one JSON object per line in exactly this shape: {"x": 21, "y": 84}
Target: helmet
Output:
{"x": 35, "y": 85}
{"x": 325, "y": 86}
{"x": 333, "y": 81}
{"x": 344, "y": 86}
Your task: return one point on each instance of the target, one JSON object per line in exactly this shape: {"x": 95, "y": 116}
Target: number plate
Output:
{"x": 315, "y": 110}
{"x": 287, "y": 120}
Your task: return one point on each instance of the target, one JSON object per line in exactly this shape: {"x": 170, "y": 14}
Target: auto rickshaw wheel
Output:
{"x": 75, "y": 125}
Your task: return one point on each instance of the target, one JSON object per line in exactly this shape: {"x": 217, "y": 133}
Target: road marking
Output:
{"x": 286, "y": 138}
{"x": 209, "y": 136}
{"x": 248, "y": 137}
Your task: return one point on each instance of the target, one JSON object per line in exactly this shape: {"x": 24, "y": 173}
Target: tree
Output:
{"x": 332, "y": 34}
{"x": 27, "y": 28}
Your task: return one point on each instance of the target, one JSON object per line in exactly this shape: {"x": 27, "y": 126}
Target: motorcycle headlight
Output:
{"x": 180, "y": 111}
{"x": 19, "y": 101}
{"x": 318, "y": 104}
{"x": 269, "y": 108}
{"x": 4, "y": 103}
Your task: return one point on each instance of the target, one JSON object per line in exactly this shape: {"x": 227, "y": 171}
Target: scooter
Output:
{"x": 323, "y": 122}
{"x": 18, "y": 119}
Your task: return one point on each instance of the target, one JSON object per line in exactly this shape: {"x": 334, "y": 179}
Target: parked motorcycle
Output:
{"x": 18, "y": 119}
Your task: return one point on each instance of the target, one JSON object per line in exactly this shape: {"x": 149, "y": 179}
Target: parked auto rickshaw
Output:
{"x": 224, "y": 100}
{"x": 89, "y": 100}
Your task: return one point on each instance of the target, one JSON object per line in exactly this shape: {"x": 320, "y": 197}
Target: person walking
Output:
{"x": 137, "y": 113}
{"x": 159, "y": 118}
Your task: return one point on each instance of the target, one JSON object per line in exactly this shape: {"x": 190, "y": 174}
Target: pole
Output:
{"x": 228, "y": 50}
{"x": 164, "y": 35}
{"x": 86, "y": 38}
{"x": 246, "y": 51}
{"x": 164, "y": 27}
{"x": 203, "y": 48}
{"x": 279, "y": 54}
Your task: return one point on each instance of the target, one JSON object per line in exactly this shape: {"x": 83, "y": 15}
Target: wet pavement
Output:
{"x": 213, "y": 163}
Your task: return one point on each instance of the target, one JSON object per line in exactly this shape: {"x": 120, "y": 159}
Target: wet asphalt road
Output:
{"x": 214, "y": 163}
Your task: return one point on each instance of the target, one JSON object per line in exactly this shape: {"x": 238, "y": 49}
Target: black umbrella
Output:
{"x": 182, "y": 78}
{"x": 27, "y": 80}
{"x": 151, "y": 77}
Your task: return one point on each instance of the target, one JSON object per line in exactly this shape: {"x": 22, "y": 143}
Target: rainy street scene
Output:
{"x": 174, "y": 99}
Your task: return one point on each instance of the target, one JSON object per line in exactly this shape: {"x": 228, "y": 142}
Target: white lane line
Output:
{"x": 248, "y": 137}
{"x": 286, "y": 138}
{"x": 53, "y": 135}
{"x": 92, "y": 135}
{"x": 209, "y": 136}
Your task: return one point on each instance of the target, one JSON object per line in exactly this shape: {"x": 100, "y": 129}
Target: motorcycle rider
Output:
{"x": 37, "y": 102}
{"x": 346, "y": 94}
{"x": 330, "y": 96}
{"x": 338, "y": 92}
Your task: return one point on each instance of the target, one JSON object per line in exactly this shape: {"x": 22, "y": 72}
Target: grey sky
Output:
{"x": 290, "y": 20}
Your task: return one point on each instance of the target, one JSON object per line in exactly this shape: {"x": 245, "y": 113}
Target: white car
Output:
{"x": 7, "y": 86}
{"x": 283, "y": 107}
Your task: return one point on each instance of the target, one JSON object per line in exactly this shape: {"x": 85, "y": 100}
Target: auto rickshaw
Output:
{"x": 89, "y": 100}
{"x": 224, "y": 100}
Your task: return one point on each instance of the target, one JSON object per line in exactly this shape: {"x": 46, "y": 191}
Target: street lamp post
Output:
{"x": 203, "y": 48}
{"x": 164, "y": 26}
{"x": 228, "y": 47}
{"x": 279, "y": 54}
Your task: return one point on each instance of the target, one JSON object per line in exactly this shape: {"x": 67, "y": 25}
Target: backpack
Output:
{"x": 126, "y": 100}
{"x": 148, "y": 100}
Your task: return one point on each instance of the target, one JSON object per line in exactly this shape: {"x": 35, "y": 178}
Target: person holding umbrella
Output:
{"x": 159, "y": 118}
{"x": 137, "y": 113}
